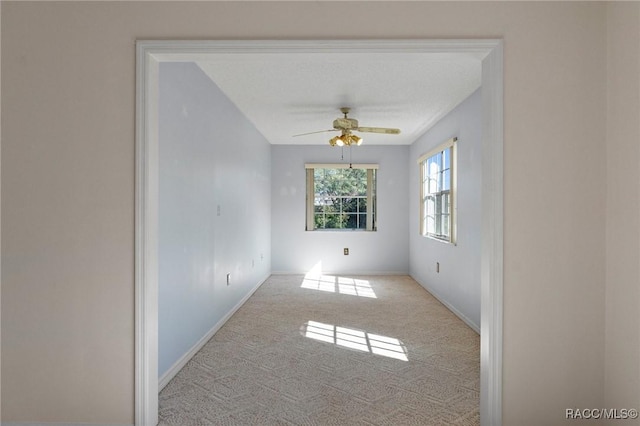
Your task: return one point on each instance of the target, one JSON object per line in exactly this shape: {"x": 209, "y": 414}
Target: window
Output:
{"x": 341, "y": 196}
{"x": 437, "y": 192}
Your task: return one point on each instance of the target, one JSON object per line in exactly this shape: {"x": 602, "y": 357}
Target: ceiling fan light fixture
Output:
{"x": 347, "y": 125}
{"x": 347, "y": 139}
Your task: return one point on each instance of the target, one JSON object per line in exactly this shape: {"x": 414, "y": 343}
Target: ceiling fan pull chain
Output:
{"x": 350, "y": 163}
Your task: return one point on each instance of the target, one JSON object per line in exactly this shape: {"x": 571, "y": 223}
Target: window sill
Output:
{"x": 451, "y": 243}
{"x": 342, "y": 230}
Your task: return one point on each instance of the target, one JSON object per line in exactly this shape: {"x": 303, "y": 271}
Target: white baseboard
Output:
{"x": 367, "y": 272}
{"x": 180, "y": 363}
{"x": 475, "y": 327}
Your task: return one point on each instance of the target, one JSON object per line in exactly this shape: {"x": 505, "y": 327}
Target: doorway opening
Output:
{"x": 151, "y": 53}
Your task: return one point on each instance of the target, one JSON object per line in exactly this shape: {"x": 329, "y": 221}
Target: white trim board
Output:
{"x": 491, "y": 263}
{"x": 148, "y": 56}
{"x": 361, "y": 273}
{"x": 180, "y": 363}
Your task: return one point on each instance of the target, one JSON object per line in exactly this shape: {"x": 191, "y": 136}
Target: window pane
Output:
{"x": 445, "y": 225}
{"x": 362, "y": 205}
{"x": 333, "y": 221}
{"x": 433, "y": 185}
{"x": 446, "y": 180}
{"x": 430, "y": 206}
{"x": 351, "y": 221}
{"x": 320, "y": 221}
{"x": 340, "y": 198}
{"x": 445, "y": 203}
{"x": 434, "y": 165}
{"x": 431, "y": 224}
{"x": 331, "y": 208}
{"x": 349, "y": 205}
{"x": 436, "y": 186}
{"x": 336, "y": 203}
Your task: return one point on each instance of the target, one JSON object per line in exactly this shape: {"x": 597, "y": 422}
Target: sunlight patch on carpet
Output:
{"x": 355, "y": 339}
{"x": 337, "y": 284}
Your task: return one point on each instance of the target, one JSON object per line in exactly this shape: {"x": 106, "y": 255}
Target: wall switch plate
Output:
{"x": 346, "y": 251}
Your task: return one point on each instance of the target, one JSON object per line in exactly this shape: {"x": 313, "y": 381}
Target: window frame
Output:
{"x": 452, "y": 146}
{"x": 371, "y": 224}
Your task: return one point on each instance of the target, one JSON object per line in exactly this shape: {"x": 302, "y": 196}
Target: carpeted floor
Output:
{"x": 326, "y": 350}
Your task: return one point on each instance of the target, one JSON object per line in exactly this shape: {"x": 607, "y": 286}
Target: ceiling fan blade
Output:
{"x": 313, "y": 133}
{"x": 384, "y": 130}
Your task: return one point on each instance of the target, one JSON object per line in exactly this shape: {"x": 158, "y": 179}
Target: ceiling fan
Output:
{"x": 346, "y": 126}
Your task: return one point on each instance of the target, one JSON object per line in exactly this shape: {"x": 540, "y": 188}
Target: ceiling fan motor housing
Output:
{"x": 345, "y": 123}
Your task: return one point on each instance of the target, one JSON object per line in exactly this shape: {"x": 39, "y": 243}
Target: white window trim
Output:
{"x": 453, "y": 144}
{"x": 339, "y": 166}
{"x": 309, "y": 200}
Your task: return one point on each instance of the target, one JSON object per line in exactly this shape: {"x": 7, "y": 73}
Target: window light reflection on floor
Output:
{"x": 356, "y": 339}
{"x": 335, "y": 284}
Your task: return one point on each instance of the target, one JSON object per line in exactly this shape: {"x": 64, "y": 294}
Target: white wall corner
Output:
{"x": 475, "y": 327}
{"x": 184, "y": 359}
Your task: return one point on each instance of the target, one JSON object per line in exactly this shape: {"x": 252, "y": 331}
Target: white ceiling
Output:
{"x": 287, "y": 94}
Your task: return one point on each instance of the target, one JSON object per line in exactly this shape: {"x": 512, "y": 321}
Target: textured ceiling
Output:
{"x": 287, "y": 94}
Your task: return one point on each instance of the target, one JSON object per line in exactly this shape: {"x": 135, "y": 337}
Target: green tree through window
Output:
{"x": 343, "y": 198}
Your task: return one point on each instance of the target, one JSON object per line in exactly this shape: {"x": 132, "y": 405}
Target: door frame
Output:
{"x": 150, "y": 53}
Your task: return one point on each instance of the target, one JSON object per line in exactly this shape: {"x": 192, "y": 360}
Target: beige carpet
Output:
{"x": 327, "y": 350}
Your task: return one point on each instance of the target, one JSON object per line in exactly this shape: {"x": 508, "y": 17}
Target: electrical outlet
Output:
{"x": 346, "y": 251}
{"x": 229, "y": 279}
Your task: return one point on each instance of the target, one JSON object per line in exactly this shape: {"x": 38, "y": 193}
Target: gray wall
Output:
{"x": 296, "y": 250}
{"x": 210, "y": 157}
{"x": 457, "y": 284}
